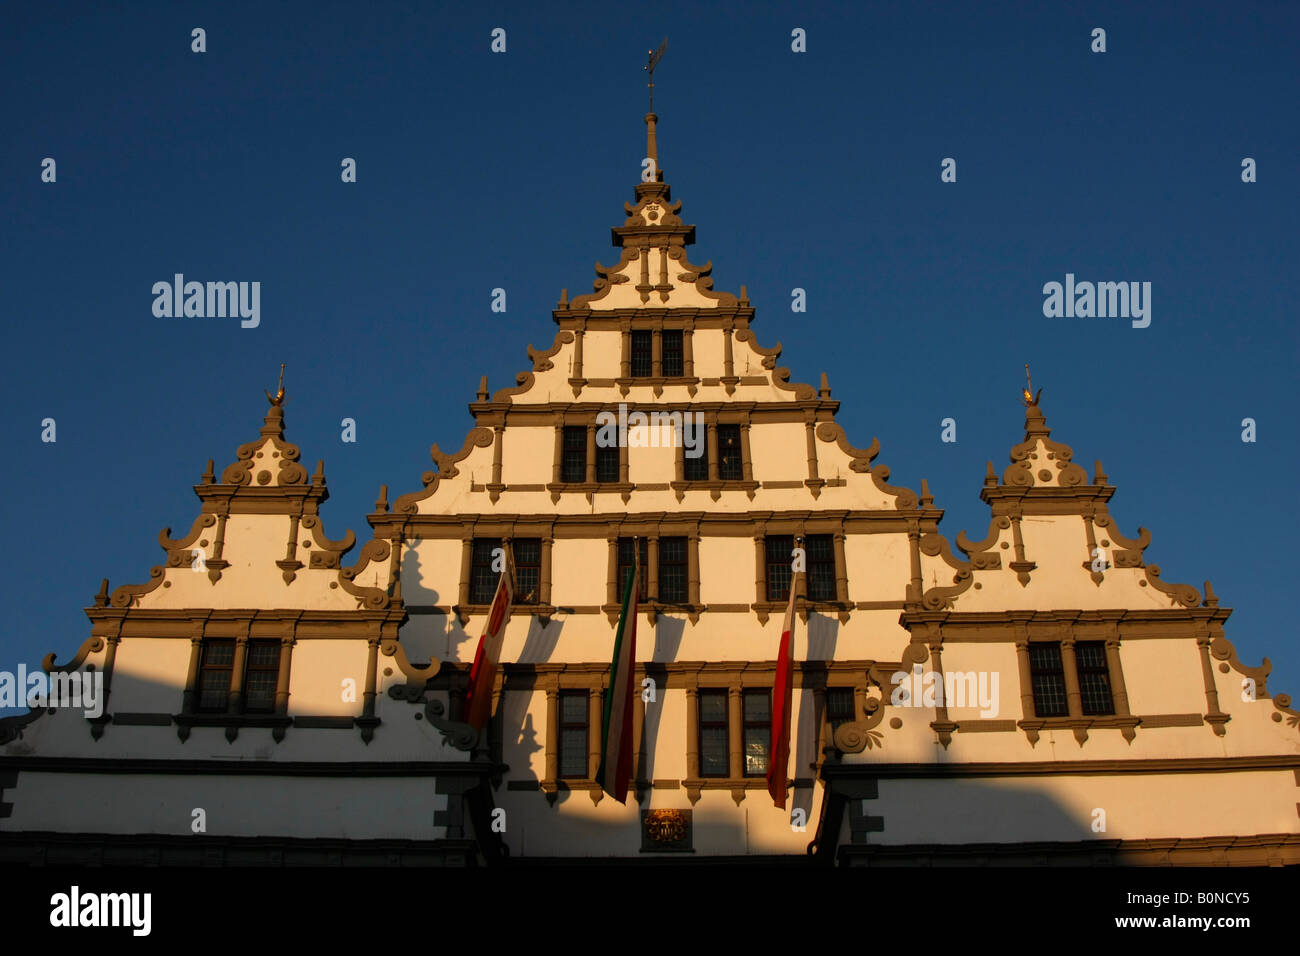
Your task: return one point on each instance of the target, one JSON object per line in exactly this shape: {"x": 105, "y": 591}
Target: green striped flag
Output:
{"x": 616, "y": 728}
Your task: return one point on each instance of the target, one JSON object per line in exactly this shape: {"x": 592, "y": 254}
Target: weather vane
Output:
{"x": 651, "y": 63}
{"x": 278, "y": 399}
{"x": 1028, "y": 396}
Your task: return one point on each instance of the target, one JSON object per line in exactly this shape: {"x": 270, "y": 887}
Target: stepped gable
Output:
{"x": 1054, "y": 550}
{"x": 260, "y": 524}
{"x": 255, "y": 563}
{"x": 589, "y": 367}
{"x": 1074, "y": 533}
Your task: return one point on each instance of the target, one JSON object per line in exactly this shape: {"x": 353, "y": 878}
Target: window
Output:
{"x": 527, "y": 554}
{"x": 261, "y": 676}
{"x": 821, "y": 567}
{"x": 839, "y": 707}
{"x": 261, "y": 672}
{"x": 641, "y": 354}
{"x": 731, "y": 465}
{"x": 757, "y": 710}
{"x": 779, "y": 548}
{"x": 672, "y": 570}
{"x": 482, "y": 579}
{"x": 713, "y": 733}
{"x": 1048, "y": 679}
{"x": 606, "y": 461}
{"x": 696, "y": 468}
{"x": 572, "y": 738}
{"x": 573, "y": 460}
{"x": 625, "y": 546}
{"x": 674, "y": 366}
{"x": 1094, "y": 677}
{"x": 214, "y": 676}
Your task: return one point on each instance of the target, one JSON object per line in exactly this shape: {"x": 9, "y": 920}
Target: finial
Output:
{"x": 744, "y": 297}
{"x": 381, "y": 504}
{"x": 564, "y": 299}
{"x": 1211, "y": 599}
{"x": 101, "y": 596}
{"x": 1027, "y": 395}
{"x": 825, "y": 390}
{"x": 482, "y": 389}
{"x": 207, "y": 477}
{"x": 991, "y": 478}
{"x": 319, "y": 477}
{"x": 279, "y": 395}
{"x": 927, "y": 499}
{"x": 1098, "y": 476}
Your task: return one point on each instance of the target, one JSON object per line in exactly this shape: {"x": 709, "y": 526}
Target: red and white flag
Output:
{"x": 482, "y": 675}
{"x": 782, "y": 700}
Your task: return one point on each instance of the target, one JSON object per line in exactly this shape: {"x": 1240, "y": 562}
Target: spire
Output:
{"x": 652, "y": 145}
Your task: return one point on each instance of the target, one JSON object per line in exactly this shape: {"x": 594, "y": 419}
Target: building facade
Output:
{"x": 1037, "y": 695}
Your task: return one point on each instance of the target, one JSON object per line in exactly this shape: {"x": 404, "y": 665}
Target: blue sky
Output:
{"x": 476, "y": 170}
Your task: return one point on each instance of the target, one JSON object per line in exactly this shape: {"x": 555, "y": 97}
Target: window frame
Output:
{"x": 520, "y": 596}
{"x": 696, "y": 469}
{"x": 209, "y": 644}
{"x": 746, "y": 725}
{"x": 634, "y": 354}
{"x": 768, "y": 564}
{"x": 603, "y": 456}
{"x": 684, "y": 564}
{"x": 737, "y": 461}
{"x": 1036, "y": 672}
{"x": 1102, "y": 670}
{"x": 827, "y": 569}
{"x": 724, "y": 724}
{"x": 584, "y": 695}
{"x": 621, "y": 565}
{"x": 250, "y": 668}
{"x": 573, "y": 453}
{"x": 477, "y": 564}
{"x": 678, "y": 353}
{"x": 832, "y": 720}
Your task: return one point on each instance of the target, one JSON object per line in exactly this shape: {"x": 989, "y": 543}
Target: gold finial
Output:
{"x": 1027, "y": 394}
{"x": 278, "y": 400}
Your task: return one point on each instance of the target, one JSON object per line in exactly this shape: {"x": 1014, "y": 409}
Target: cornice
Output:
{"x": 624, "y": 523}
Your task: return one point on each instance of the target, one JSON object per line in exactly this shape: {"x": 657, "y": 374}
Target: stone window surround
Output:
{"x": 1015, "y": 629}
{"x": 589, "y": 485}
{"x": 198, "y": 624}
{"x": 1076, "y": 720}
{"x": 650, "y": 603}
{"x": 713, "y": 484}
{"x": 656, "y": 378}
{"x": 234, "y": 718}
{"x": 464, "y": 609}
{"x": 800, "y": 530}
{"x": 815, "y": 676}
{"x": 657, "y": 323}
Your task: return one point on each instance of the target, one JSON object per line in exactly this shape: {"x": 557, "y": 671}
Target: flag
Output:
{"x": 482, "y": 675}
{"x": 778, "y": 758}
{"x": 616, "y": 727}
